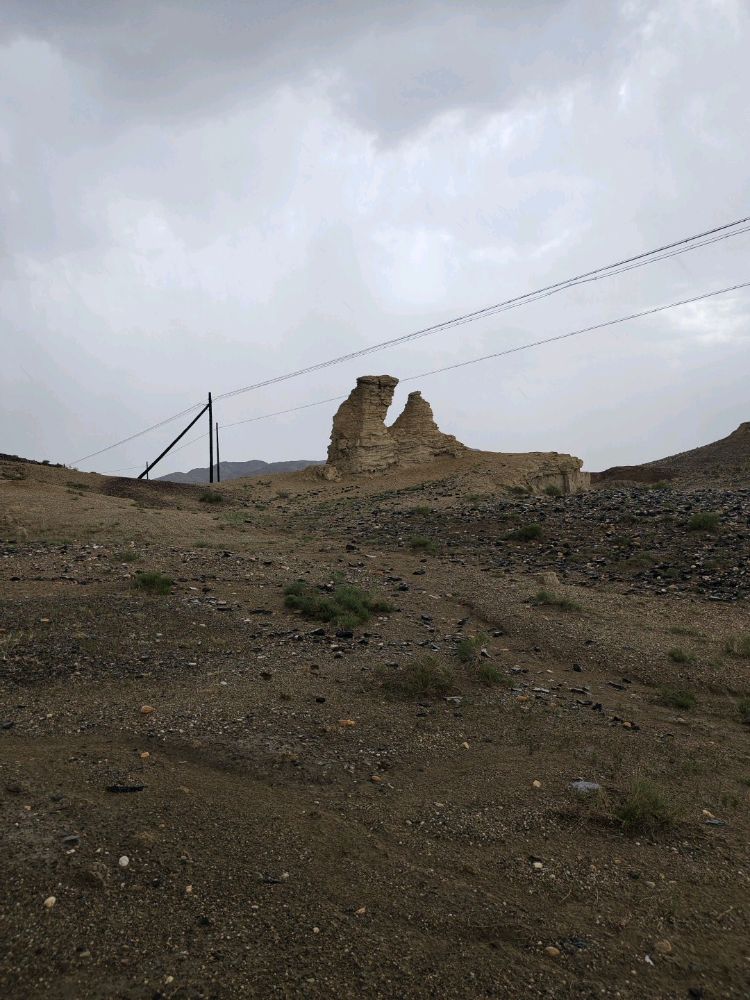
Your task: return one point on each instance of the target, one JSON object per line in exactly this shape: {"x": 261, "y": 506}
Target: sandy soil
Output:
{"x": 292, "y": 827}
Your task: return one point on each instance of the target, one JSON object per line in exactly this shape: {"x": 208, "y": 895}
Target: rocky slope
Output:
{"x": 723, "y": 462}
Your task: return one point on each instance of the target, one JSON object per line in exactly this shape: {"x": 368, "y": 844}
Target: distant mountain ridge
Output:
{"x": 239, "y": 470}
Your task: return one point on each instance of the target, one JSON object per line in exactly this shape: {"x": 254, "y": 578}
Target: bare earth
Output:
{"x": 293, "y": 827}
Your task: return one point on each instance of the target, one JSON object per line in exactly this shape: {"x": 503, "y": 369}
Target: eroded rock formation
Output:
{"x": 360, "y": 441}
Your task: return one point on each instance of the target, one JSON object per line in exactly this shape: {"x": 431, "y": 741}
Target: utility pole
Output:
{"x": 180, "y": 436}
{"x": 146, "y": 471}
{"x": 218, "y": 457}
{"x": 210, "y": 439}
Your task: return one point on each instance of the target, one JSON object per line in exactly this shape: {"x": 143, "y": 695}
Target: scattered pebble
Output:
{"x": 124, "y": 861}
{"x": 50, "y": 902}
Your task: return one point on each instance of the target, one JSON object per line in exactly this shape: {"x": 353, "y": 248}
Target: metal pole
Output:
{"x": 150, "y": 468}
{"x": 146, "y": 471}
{"x": 218, "y": 458}
{"x": 210, "y": 439}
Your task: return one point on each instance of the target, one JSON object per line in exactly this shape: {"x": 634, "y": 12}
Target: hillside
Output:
{"x": 239, "y": 470}
{"x": 722, "y": 463}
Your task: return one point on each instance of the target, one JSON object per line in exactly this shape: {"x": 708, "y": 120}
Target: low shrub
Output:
{"x": 743, "y": 707}
{"x": 127, "y": 555}
{"x": 553, "y": 491}
{"x": 209, "y": 496}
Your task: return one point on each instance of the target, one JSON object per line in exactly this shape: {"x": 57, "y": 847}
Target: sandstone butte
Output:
{"x": 362, "y": 444}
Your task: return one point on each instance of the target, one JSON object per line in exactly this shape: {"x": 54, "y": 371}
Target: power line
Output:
{"x": 509, "y": 350}
{"x": 488, "y": 357}
{"x": 630, "y": 263}
{"x": 646, "y": 257}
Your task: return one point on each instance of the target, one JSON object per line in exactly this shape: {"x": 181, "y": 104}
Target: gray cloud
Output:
{"x": 199, "y": 196}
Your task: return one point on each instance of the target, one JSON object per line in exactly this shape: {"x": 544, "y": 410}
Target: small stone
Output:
{"x": 552, "y": 951}
{"x": 360, "y": 912}
{"x": 147, "y": 709}
{"x": 50, "y": 902}
{"x": 376, "y": 779}
{"x": 124, "y": 861}
{"x": 537, "y": 866}
{"x": 347, "y": 723}
{"x": 664, "y": 947}
{"x": 145, "y": 755}
{"x": 316, "y": 930}
{"x": 536, "y": 783}
{"x": 585, "y": 787}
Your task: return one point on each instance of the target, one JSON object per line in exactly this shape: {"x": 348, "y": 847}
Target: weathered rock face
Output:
{"x": 418, "y": 438}
{"x": 360, "y": 441}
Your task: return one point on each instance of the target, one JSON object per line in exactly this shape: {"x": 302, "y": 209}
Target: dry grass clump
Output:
{"x": 209, "y": 496}
{"x": 678, "y": 655}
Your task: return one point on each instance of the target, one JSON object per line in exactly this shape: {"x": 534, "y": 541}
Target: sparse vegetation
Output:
{"x": 553, "y": 491}
{"x": 526, "y": 533}
{"x": 423, "y": 509}
{"x": 153, "y": 582}
{"x": 743, "y": 707}
{"x": 677, "y": 697}
{"x": 209, "y": 496}
{"x": 426, "y": 677}
{"x": 683, "y": 630}
{"x": 704, "y": 521}
{"x": 545, "y": 598}
{"x": 738, "y": 645}
{"x": 126, "y": 556}
{"x": 491, "y": 675}
{"x": 344, "y": 604}
{"x": 283, "y": 495}
{"x": 423, "y": 544}
{"x": 678, "y": 655}
{"x": 645, "y": 809}
{"x": 469, "y": 648}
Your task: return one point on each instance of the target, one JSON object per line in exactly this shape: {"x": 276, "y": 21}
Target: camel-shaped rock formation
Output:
{"x": 361, "y": 442}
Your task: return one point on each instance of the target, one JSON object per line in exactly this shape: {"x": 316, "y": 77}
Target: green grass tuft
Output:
{"x": 553, "y": 491}
{"x": 127, "y": 555}
{"x": 468, "y": 649}
{"x": 526, "y": 533}
{"x": 738, "y": 645}
{"x": 704, "y": 521}
{"x": 152, "y": 582}
{"x": 421, "y": 543}
{"x": 346, "y": 605}
{"x": 645, "y": 809}
{"x": 423, "y": 678}
{"x": 673, "y": 697}
{"x": 545, "y": 598}
{"x": 210, "y": 497}
{"x": 678, "y": 655}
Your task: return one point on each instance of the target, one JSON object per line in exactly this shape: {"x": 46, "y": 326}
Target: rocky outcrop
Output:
{"x": 360, "y": 441}
{"x": 418, "y": 438}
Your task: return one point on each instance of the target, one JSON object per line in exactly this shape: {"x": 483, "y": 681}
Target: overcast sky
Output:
{"x": 201, "y": 195}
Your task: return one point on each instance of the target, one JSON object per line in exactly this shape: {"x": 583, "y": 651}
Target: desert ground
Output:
{"x": 209, "y": 793}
